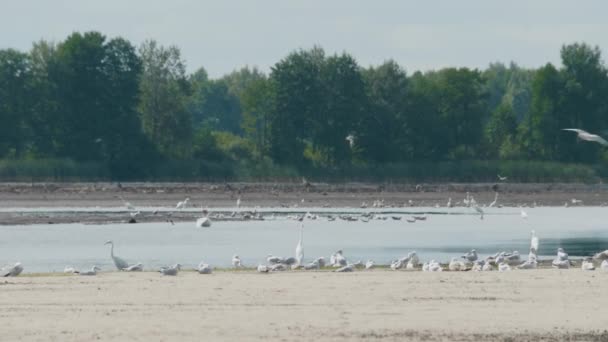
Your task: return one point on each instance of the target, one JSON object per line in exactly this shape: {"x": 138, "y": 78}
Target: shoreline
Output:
{"x": 299, "y": 197}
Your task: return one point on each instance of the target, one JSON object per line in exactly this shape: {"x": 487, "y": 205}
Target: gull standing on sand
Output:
{"x": 584, "y": 135}
{"x": 170, "y": 271}
{"x": 587, "y": 264}
{"x": 70, "y": 269}
{"x": 118, "y": 262}
{"x": 471, "y": 256}
{"x": 601, "y": 255}
{"x": 204, "y": 268}
{"x": 263, "y": 268}
{"x": 561, "y": 260}
{"x": 13, "y": 271}
{"x": 236, "y": 261}
{"x": 93, "y": 271}
{"x": 504, "y": 267}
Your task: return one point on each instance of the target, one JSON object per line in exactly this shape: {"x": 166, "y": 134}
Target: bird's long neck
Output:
{"x": 112, "y": 250}
{"x": 301, "y": 232}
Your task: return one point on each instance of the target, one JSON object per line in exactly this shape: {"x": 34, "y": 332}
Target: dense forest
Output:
{"x": 92, "y": 108}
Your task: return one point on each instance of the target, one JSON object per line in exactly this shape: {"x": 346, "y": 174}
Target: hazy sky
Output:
{"x": 224, "y": 35}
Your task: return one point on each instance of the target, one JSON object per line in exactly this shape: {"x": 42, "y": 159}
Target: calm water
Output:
{"x": 43, "y": 248}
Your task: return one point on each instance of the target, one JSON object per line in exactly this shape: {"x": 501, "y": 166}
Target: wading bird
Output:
{"x": 182, "y": 204}
{"x": 118, "y": 262}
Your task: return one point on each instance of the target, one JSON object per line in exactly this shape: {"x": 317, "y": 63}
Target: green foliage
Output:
{"x": 98, "y": 108}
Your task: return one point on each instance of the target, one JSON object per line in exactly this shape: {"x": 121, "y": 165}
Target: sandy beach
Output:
{"x": 378, "y": 305}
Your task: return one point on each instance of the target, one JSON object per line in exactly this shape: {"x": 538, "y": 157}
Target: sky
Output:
{"x": 222, "y": 36}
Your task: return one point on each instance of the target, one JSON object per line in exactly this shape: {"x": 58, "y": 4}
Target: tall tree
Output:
{"x": 163, "y": 104}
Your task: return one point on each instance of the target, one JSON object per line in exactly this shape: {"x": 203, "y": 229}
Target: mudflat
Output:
{"x": 377, "y": 305}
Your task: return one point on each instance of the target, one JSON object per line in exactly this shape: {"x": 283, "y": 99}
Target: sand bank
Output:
{"x": 375, "y": 305}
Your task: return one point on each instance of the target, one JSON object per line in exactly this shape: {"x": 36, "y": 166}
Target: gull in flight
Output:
{"x": 13, "y": 271}
{"x": 502, "y": 179}
{"x": 351, "y": 140}
{"x": 584, "y": 135}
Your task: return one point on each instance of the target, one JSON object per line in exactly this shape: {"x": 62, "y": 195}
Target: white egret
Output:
{"x": 13, "y": 271}
{"x": 300, "y": 247}
{"x": 118, "y": 262}
{"x": 584, "y": 135}
{"x": 170, "y": 271}
{"x": 236, "y": 261}
{"x": 139, "y": 267}
{"x": 534, "y": 244}
{"x": 182, "y": 204}
{"x": 93, "y": 271}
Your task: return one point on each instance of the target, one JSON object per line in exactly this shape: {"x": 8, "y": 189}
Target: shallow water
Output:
{"x": 43, "y": 248}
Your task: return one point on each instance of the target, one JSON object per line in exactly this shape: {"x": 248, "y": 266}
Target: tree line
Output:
{"x": 133, "y": 110}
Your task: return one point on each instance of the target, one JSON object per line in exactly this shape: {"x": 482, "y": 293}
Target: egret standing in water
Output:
{"x": 182, "y": 204}
{"x": 118, "y": 262}
{"x": 300, "y": 247}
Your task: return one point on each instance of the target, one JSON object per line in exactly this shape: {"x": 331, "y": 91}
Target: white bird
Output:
{"x": 312, "y": 265}
{"x": 587, "y": 264}
{"x": 584, "y": 135}
{"x": 278, "y": 267}
{"x": 523, "y": 214}
{"x": 604, "y": 266}
{"x": 170, "y": 271}
{"x": 351, "y": 140}
{"x": 502, "y": 179}
{"x": 238, "y": 202}
{"x": 13, "y": 271}
{"x": 118, "y": 262}
{"x": 471, "y": 256}
{"x": 601, "y": 255}
{"x": 434, "y": 266}
{"x": 347, "y": 268}
{"x": 339, "y": 259}
{"x": 263, "y": 268}
{"x": 450, "y": 205}
{"x": 561, "y": 260}
{"x": 533, "y": 244}
{"x": 456, "y": 265}
{"x": 576, "y": 201}
{"x": 369, "y": 264}
{"x": 531, "y": 263}
{"x": 300, "y": 247}
{"x": 494, "y": 202}
{"x": 204, "y": 268}
{"x": 273, "y": 259}
{"x": 503, "y": 267}
{"x": 487, "y": 267}
{"x": 91, "y": 272}
{"x": 236, "y": 261}
{"x": 182, "y": 204}
{"x": 70, "y": 269}
{"x": 139, "y": 267}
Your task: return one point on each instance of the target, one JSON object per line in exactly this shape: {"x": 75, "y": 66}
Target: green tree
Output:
{"x": 164, "y": 94}
{"x": 257, "y": 102}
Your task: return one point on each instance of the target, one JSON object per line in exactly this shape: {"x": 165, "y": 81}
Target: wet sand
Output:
{"x": 379, "y": 305}
{"x": 297, "y": 196}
